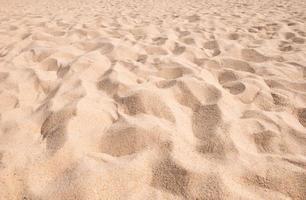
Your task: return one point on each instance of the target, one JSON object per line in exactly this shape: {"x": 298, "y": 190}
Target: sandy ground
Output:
{"x": 152, "y": 99}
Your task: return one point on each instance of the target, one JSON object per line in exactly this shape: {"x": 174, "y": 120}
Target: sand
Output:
{"x": 152, "y": 99}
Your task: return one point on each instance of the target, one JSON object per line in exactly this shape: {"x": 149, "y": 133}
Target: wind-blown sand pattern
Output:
{"x": 152, "y": 99}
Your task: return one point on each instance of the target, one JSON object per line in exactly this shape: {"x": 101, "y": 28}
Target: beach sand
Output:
{"x": 152, "y": 100}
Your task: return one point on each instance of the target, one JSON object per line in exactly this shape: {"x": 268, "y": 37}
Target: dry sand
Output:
{"x": 152, "y": 99}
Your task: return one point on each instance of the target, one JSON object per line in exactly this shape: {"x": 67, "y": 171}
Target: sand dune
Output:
{"x": 134, "y": 99}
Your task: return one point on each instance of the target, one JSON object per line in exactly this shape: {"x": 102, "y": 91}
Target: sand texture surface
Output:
{"x": 152, "y": 100}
